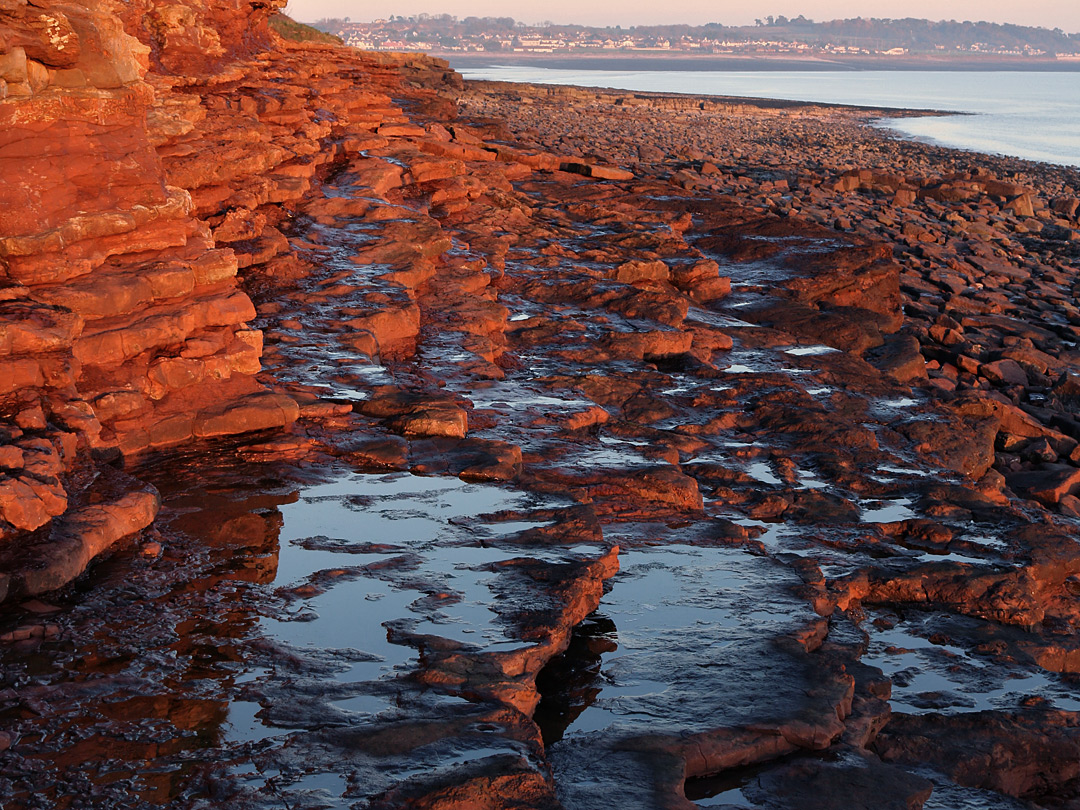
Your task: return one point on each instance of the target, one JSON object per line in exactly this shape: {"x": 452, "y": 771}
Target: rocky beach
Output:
{"x": 374, "y": 439}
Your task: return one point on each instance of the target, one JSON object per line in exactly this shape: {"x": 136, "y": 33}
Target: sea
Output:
{"x": 1025, "y": 114}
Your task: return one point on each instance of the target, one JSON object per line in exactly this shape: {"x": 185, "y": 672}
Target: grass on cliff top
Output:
{"x": 288, "y": 28}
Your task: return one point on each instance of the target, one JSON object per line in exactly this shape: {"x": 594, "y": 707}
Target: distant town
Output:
{"x": 771, "y": 36}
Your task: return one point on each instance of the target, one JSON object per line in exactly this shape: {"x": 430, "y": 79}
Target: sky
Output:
{"x": 1064, "y": 14}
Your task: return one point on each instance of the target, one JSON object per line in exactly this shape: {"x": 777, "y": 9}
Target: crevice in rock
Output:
{"x": 571, "y": 681}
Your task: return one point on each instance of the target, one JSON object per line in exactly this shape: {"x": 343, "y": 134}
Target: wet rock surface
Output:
{"x": 544, "y": 451}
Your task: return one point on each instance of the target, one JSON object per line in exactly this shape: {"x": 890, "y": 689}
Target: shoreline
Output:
{"x": 710, "y": 62}
{"x": 703, "y": 101}
{"x": 956, "y": 135}
{"x": 858, "y": 139}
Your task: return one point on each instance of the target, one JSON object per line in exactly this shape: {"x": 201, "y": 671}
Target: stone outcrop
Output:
{"x": 188, "y": 39}
{"x": 123, "y": 327}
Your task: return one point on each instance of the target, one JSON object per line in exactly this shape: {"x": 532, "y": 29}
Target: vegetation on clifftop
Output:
{"x": 288, "y": 28}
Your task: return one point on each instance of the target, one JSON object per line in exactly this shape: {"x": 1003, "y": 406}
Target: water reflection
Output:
{"x": 118, "y": 709}
{"x": 270, "y": 655}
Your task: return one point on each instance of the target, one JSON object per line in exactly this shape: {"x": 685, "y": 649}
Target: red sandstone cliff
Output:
{"x": 121, "y": 325}
{"x": 192, "y": 37}
{"x": 137, "y": 141}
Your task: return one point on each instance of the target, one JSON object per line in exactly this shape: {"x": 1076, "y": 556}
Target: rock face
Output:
{"x": 123, "y": 327}
{"x": 194, "y": 38}
{"x": 516, "y": 447}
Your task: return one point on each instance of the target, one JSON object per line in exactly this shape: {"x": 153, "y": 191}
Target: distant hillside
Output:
{"x": 917, "y": 35}
{"x": 288, "y": 28}
{"x": 780, "y": 35}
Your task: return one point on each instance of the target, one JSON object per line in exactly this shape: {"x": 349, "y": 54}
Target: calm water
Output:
{"x": 1030, "y": 115}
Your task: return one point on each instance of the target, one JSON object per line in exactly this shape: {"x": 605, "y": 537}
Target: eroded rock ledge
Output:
{"x": 123, "y": 327}
{"x": 816, "y": 409}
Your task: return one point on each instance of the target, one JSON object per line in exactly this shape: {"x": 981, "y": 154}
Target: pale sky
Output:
{"x": 1064, "y": 14}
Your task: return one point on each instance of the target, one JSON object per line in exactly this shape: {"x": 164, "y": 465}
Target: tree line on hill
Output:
{"x": 915, "y": 35}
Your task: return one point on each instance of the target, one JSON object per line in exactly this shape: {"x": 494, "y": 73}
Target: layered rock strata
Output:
{"x": 124, "y": 329}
